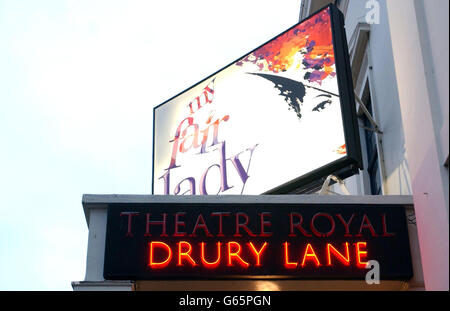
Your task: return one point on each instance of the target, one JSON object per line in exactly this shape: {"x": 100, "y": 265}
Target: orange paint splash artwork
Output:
{"x": 307, "y": 47}
{"x": 341, "y": 150}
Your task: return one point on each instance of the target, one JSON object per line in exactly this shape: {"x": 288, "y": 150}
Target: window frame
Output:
{"x": 361, "y": 63}
{"x": 364, "y": 82}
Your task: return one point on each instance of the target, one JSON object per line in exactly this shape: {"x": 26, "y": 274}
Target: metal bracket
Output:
{"x": 411, "y": 217}
{"x": 375, "y": 128}
{"x": 326, "y": 185}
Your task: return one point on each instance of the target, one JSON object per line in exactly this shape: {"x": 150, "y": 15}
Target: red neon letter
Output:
{"x": 130, "y": 215}
{"x": 220, "y": 214}
{"x": 206, "y": 263}
{"x": 265, "y": 223}
{"x": 179, "y": 223}
{"x": 287, "y": 264}
{"x": 385, "y": 233}
{"x": 236, "y": 255}
{"x": 310, "y": 254}
{"x": 365, "y": 223}
{"x": 297, "y": 225}
{"x": 346, "y": 223}
{"x": 186, "y": 254}
{"x": 244, "y": 225}
{"x": 257, "y": 253}
{"x": 360, "y": 253}
{"x": 317, "y": 232}
{"x": 164, "y": 263}
{"x": 155, "y": 222}
{"x": 345, "y": 260}
{"x": 201, "y": 225}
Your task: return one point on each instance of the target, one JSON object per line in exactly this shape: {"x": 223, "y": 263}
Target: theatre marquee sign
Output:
{"x": 259, "y": 237}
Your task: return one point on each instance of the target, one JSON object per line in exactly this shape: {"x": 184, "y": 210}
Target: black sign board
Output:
{"x": 259, "y": 240}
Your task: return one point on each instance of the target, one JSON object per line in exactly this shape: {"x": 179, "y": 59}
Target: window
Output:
{"x": 370, "y": 141}
{"x": 370, "y": 180}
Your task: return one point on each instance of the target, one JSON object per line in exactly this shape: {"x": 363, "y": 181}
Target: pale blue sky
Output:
{"x": 78, "y": 83}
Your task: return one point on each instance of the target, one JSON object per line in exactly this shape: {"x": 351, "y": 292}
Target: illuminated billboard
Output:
{"x": 275, "y": 119}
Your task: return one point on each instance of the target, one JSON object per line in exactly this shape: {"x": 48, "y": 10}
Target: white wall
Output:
{"x": 409, "y": 55}
{"x": 385, "y": 103}
{"x": 433, "y": 21}
{"x": 419, "y": 108}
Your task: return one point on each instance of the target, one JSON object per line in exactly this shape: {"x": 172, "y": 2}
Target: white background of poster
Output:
{"x": 288, "y": 147}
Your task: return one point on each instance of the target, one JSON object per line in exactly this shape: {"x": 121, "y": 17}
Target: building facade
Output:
{"x": 399, "y": 52}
